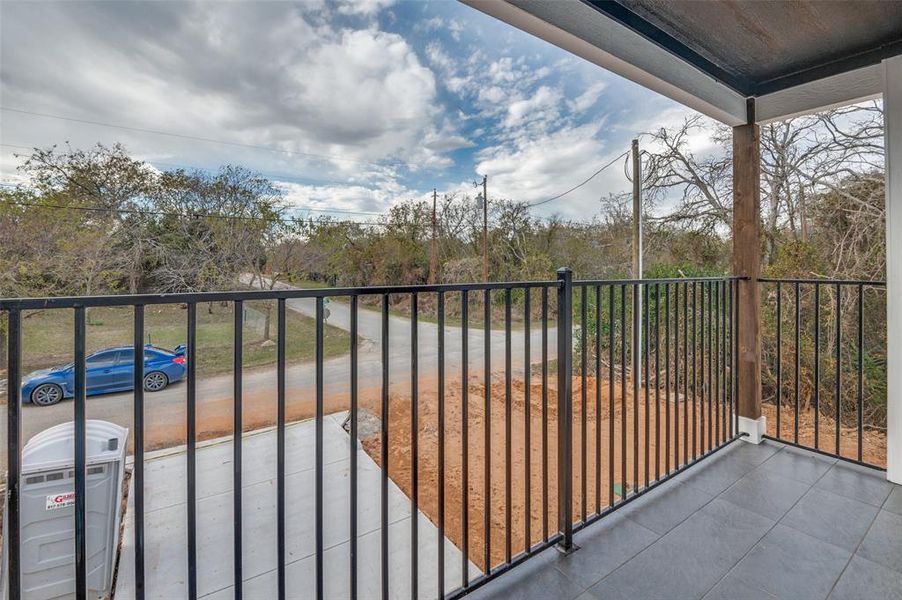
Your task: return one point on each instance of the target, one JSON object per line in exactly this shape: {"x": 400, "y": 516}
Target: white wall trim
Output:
{"x": 830, "y": 92}
{"x": 753, "y": 428}
{"x": 892, "y": 108}
{"x": 627, "y": 54}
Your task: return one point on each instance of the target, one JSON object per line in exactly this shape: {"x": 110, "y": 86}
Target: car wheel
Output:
{"x": 46, "y": 394}
{"x": 156, "y": 381}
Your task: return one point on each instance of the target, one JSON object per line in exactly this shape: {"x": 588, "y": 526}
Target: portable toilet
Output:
{"x": 47, "y": 510}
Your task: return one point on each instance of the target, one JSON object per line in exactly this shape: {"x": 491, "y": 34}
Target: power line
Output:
{"x": 576, "y": 187}
{"x": 203, "y": 139}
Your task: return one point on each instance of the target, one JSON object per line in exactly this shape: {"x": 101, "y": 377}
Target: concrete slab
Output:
{"x": 166, "y": 570}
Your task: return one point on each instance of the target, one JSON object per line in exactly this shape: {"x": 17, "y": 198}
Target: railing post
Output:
{"x": 565, "y": 407}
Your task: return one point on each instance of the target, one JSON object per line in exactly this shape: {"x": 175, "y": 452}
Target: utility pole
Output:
{"x": 485, "y": 228}
{"x": 637, "y": 262}
{"x": 433, "y": 248}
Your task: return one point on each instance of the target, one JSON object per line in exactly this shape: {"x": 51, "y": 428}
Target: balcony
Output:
{"x": 767, "y": 521}
{"x": 430, "y": 466}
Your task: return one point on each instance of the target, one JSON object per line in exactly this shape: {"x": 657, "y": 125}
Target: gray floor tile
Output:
{"x": 865, "y": 580}
{"x": 841, "y": 521}
{"x": 791, "y": 564}
{"x": 603, "y": 547}
{"x": 765, "y": 493}
{"x": 716, "y": 474}
{"x": 535, "y": 579}
{"x": 894, "y": 502}
{"x": 883, "y": 543}
{"x": 733, "y": 588}
{"x": 859, "y": 483}
{"x": 797, "y": 464}
{"x": 718, "y": 535}
{"x": 753, "y": 453}
{"x": 665, "y": 508}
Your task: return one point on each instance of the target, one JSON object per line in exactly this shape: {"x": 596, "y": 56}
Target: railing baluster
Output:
{"x": 441, "y": 444}
{"x": 612, "y": 324}
{"x": 709, "y": 358}
{"x": 718, "y": 311}
{"x": 544, "y": 414}
{"x": 667, "y": 332}
{"x": 702, "y": 380}
{"x": 191, "y": 432}
{"x": 645, "y": 339}
{"x": 81, "y": 558}
{"x": 465, "y": 439}
{"x": 734, "y": 426}
{"x": 676, "y": 376}
{"x": 597, "y": 399}
{"x": 565, "y": 410}
{"x": 508, "y": 418}
{"x": 798, "y": 360}
{"x": 352, "y": 508}
{"x": 527, "y": 418}
{"x": 686, "y": 374}
{"x": 695, "y": 379}
{"x": 320, "y": 539}
{"x": 624, "y": 478}
{"x": 280, "y": 446}
{"x": 13, "y": 453}
{"x": 487, "y": 427}
{"x": 237, "y": 428}
{"x": 138, "y": 467}
{"x": 838, "y": 390}
{"x": 384, "y": 452}
{"x": 657, "y": 381}
{"x": 779, "y": 352}
{"x": 860, "y": 357}
{"x": 414, "y": 447}
{"x": 635, "y": 374}
{"x": 817, "y": 365}
{"x": 584, "y": 334}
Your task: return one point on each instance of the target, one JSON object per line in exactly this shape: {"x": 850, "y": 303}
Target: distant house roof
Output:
{"x": 714, "y": 54}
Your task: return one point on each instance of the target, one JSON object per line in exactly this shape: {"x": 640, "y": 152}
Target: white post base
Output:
{"x": 753, "y": 428}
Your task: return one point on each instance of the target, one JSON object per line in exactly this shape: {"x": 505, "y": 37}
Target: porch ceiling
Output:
{"x": 758, "y": 47}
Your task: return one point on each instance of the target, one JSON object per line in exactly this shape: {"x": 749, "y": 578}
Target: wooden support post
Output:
{"x": 747, "y": 263}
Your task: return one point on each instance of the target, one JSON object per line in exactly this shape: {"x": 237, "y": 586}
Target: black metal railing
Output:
{"x": 824, "y": 366}
{"x": 661, "y": 353}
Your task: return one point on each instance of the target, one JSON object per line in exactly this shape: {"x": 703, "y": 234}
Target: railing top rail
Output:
{"x": 251, "y": 295}
{"x": 823, "y": 281}
{"x": 593, "y": 282}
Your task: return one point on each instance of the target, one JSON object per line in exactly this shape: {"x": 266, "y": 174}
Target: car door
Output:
{"x": 123, "y": 374}
{"x": 99, "y": 371}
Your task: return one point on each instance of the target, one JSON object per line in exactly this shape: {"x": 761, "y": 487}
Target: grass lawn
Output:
{"x": 48, "y": 340}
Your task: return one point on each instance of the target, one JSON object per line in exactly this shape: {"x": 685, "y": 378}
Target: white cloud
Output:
{"x": 587, "y": 99}
{"x": 543, "y": 106}
{"x": 362, "y": 7}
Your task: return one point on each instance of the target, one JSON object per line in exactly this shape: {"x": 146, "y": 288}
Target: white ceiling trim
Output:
{"x": 823, "y": 94}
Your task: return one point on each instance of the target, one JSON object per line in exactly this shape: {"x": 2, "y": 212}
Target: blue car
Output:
{"x": 109, "y": 370}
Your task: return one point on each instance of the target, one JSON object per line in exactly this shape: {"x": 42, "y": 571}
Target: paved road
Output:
{"x": 165, "y": 410}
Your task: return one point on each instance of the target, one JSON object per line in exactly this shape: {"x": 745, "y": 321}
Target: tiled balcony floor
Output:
{"x": 764, "y": 521}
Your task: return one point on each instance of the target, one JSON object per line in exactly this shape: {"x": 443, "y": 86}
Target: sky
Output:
{"x": 348, "y": 105}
